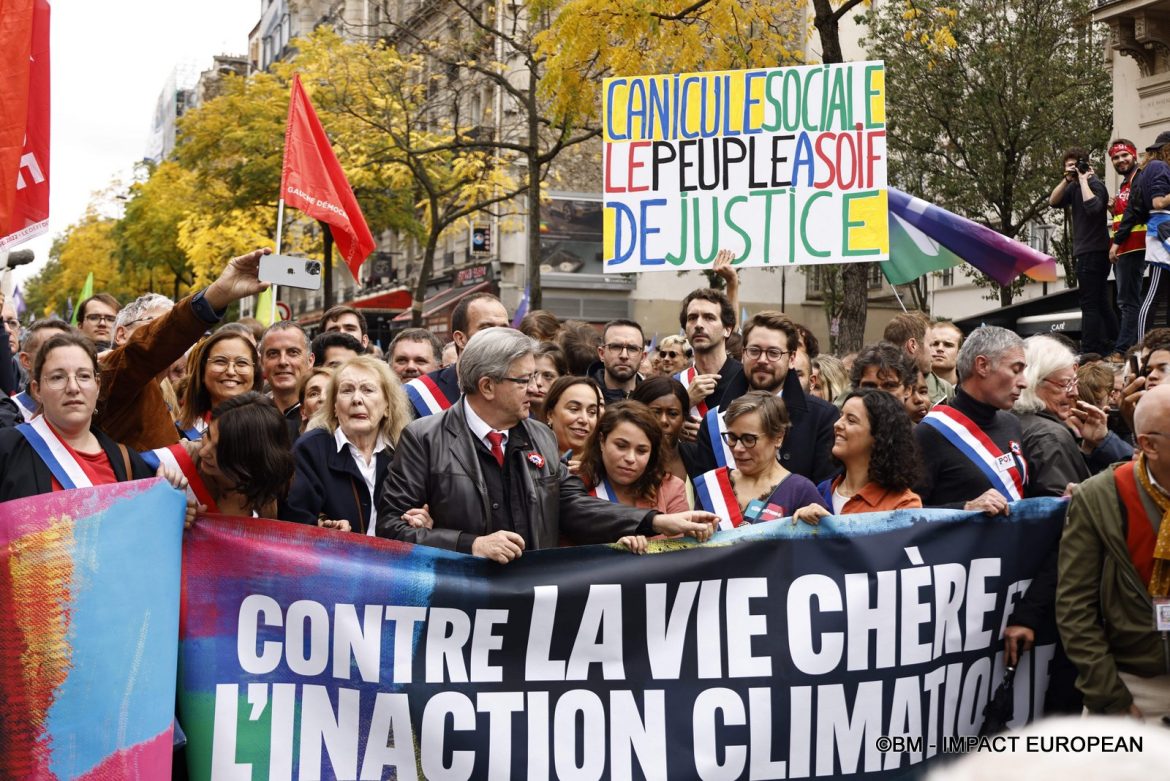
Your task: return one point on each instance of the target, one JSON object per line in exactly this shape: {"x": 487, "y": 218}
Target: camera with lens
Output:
{"x": 1082, "y": 165}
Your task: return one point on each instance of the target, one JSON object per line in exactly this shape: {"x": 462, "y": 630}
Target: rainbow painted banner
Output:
{"x": 89, "y": 616}
{"x": 775, "y": 651}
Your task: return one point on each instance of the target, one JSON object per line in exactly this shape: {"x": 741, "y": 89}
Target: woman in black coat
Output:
{"x": 343, "y": 456}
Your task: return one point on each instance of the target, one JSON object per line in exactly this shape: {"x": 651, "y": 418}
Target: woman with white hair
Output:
{"x": 344, "y": 455}
{"x": 1053, "y": 419}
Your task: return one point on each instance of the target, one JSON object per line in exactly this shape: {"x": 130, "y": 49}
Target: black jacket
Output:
{"x": 327, "y": 481}
{"x": 23, "y": 473}
{"x": 949, "y": 478}
{"x": 435, "y": 463}
{"x": 808, "y": 446}
{"x": 597, "y": 372}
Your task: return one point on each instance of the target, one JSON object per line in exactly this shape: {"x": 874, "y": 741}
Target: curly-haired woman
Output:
{"x": 873, "y": 440}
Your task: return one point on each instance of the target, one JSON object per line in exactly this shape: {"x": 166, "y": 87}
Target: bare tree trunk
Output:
{"x": 535, "y": 294}
{"x": 424, "y": 279}
{"x": 327, "y": 268}
{"x": 854, "y": 275}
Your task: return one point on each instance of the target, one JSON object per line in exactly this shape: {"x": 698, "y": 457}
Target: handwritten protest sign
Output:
{"x": 782, "y": 166}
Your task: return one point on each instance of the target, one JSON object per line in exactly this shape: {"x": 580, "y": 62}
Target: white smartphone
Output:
{"x": 289, "y": 271}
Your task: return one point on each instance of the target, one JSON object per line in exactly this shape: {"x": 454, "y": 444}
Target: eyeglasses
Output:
{"x": 617, "y": 348}
{"x": 773, "y": 353}
{"x": 747, "y": 440}
{"x": 220, "y": 364}
{"x": 12, "y": 323}
{"x": 60, "y": 380}
{"x": 1068, "y": 386}
{"x": 528, "y": 379}
{"x": 96, "y": 318}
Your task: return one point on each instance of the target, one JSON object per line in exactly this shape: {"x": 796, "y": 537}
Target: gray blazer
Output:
{"x": 435, "y": 464}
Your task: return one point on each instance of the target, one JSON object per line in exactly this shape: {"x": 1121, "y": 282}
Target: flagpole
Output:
{"x": 279, "y": 235}
{"x": 895, "y": 289}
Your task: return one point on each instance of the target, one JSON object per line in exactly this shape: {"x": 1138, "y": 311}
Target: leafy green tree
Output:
{"x": 983, "y": 96}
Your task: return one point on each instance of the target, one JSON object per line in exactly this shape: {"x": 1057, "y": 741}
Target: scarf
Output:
{"x": 1159, "y": 585}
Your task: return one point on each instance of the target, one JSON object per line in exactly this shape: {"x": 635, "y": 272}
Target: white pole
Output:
{"x": 895, "y": 289}
{"x": 279, "y": 235}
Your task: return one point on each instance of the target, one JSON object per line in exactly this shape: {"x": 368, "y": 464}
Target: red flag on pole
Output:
{"x": 313, "y": 181}
{"x": 24, "y": 120}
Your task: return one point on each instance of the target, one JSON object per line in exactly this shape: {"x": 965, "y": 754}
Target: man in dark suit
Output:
{"x": 770, "y": 341}
{"x": 492, "y": 479}
{"x": 438, "y": 390}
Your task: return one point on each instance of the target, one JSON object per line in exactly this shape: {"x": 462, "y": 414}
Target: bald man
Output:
{"x": 1115, "y": 556}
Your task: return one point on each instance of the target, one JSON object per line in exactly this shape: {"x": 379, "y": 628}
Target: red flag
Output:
{"x": 313, "y": 181}
{"x": 24, "y": 120}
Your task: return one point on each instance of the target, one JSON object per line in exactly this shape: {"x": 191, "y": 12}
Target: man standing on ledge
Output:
{"x": 492, "y": 480}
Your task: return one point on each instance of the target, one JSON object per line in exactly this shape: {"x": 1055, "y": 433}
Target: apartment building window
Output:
{"x": 947, "y": 278}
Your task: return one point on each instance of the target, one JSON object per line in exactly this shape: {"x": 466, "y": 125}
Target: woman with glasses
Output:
{"x": 344, "y": 455}
{"x": 873, "y": 441}
{"x": 571, "y": 409}
{"x": 550, "y": 367}
{"x": 61, "y": 449}
{"x": 674, "y": 355}
{"x": 1053, "y": 418}
{"x": 221, "y": 366}
{"x": 763, "y": 490}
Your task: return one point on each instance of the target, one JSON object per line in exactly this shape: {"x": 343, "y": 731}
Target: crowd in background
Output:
{"x": 560, "y": 432}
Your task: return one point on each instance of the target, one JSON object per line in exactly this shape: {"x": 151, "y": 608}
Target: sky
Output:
{"x": 110, "y": 60}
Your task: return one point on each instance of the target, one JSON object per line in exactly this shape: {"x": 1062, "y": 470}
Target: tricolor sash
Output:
{"x": 1006, "y": 472}
{"x": 176, "y": 457}
{"x": 61, "y": 463}
{"x": 715, "y": 495}
{"x": 686, "y": 377}
{"x": 604, "y": 490}
{"x": 715, "y": 428}
{"x": 426, "y": 396}
{"x": 195, "y": 432}
{"x": 27, "y": 404}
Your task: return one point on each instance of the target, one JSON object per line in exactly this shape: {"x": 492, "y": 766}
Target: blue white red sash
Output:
{"x": 686, "y": 377}
{"x": 176, "y": 457}
{"x": 195, "y": 432}
{"x": 715, "y": 428}
{"x": 604, "y": 490}
{"x": 426, "y": 396}
{"x": 27, "y": 404}
{"x": 61, "y": 463}
{"x": 714, "y": 494}
{"x": 1006, "y": 472}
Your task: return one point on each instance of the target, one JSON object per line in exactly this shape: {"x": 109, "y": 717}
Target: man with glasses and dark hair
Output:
{"x": 770, "y": 342}
{"x": 96, "y": 316}
{"x": 620, "y": 353}
{"x": 492, "y": 479}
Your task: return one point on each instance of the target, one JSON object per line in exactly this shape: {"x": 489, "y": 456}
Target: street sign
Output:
{"x": 283, "y": 310}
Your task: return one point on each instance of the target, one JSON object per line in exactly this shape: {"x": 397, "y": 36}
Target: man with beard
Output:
{"x": 708, "y": 318}
{"x": 1129, "y": 254}
{"x": 770, "y": 342}
{"x": 620, "y": 352}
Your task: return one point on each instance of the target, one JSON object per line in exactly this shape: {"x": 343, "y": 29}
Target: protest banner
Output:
{"x": 89, "y": 616}
{"x": 782, "y": 166}
{"x": 776, "y": 651}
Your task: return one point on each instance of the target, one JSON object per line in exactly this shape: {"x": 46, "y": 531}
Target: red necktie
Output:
{"x": 497, "y": 440}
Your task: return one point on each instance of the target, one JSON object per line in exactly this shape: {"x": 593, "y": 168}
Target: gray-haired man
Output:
{"x": 492, "y": 479}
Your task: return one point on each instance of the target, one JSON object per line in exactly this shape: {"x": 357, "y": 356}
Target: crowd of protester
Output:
{"x": 558, "y": 432}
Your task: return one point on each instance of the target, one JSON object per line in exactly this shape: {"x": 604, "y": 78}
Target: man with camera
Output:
{"x": 1080, "y": 191}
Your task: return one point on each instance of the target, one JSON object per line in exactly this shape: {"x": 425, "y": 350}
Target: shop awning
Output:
{"x": 443, "y": 300}
{"x": 398, "y": 298}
